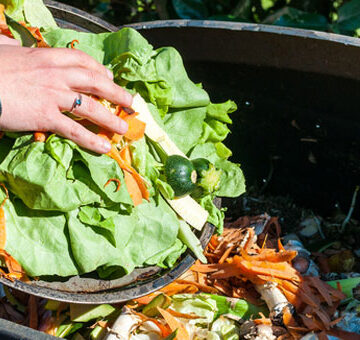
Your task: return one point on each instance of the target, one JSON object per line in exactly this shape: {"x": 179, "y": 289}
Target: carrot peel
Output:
{"x": 113, "y": 180}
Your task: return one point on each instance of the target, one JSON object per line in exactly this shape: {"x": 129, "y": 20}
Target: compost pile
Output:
{"x": 258, "y": 284}
{"x": 253, "y": 280}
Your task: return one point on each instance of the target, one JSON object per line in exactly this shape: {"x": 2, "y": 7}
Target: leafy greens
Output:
{"x": 61, "y": 219}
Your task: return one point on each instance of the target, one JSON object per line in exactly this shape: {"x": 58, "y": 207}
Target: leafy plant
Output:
{"x": 339, "y": 16}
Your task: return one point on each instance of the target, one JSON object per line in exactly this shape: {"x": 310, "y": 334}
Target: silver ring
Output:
{"x": 77, "y": 102}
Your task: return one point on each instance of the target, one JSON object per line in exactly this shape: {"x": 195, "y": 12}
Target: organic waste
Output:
{"x": 252, "y": 282}
{"x": 71, "y": 212}
{"x": 253, "y": 287}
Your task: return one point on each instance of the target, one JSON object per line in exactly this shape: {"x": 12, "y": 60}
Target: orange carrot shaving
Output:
{"x": 100, "y": 323}
{"x": 35, "y": 32}
{"x": 281, "y": 270}
{"x": 270, "y": 255}
{"x": 288, "y": 318}
{"x": 164, "y": 329}
{"x": 265, "y": 321}
{"x": 209, "y": 268}
{"x": 174, "y": 325}
{"x": 113, "y": 153}
{"x": 182, "y": 315}
{"x": 4, "y": 29}
{"x": 72, "y": 43}
{"x": 177, "y": 288}
{"x": 116, "y": 138}
{"x": 33, "y": 312}
{"x": 223, "y": 287}
{"x": 136, "y": 129}
{"x": 144, "y": 300}
{"x": 280, "y": 246}
{"x": 226, "y": 254}
{"x": 133, "y": 188}
{"x": 127, "y": 167}
{"x": 204, "y": 288}
{"x": 40, "y": 136}
{"x": 125, "y": 154}
{"x": 250, "y": 240}
{"x": 114, "y": 180}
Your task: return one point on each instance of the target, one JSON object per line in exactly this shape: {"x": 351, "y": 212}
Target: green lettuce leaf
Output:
{"x": 232, "y": 181}
{"x": 60, "y": 176}
{"x": 40, "y": 181}
{"x": 216, "y": 216}
{"x": 37, "y": 14}
{"x": 14, "y": 8}
{"x": 185, "y": 94}
{"x": 185, "y": 127}
{"x": 153, "y": 229}
{"x": 215, "y": 125}
{"x": 33, "y": 12}
{"x": 168, "y": 257}
{"x": 38, "y": 240}
{"x": 200, "y": 305}
{"x": 92, "y": 44}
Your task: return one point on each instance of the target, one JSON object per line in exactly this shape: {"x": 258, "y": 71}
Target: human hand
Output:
{"x": 37, "y": 84}
{"x": 4, "y": 40}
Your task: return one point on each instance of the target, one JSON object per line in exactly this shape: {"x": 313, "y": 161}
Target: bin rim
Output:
{"x": 248, "y": 27}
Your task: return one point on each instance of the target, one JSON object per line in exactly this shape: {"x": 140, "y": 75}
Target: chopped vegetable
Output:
{"x": 39, "y": 137}
{"x": 85, "y": 313}
{"x": 118, "y": 183}
{"x": 151, "y": 309}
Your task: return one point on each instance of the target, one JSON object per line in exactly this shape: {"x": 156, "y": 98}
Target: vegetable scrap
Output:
{"x": 40, "y": 137}
{"x": 116, "y": 180}
{"x": 4, "y": 29}
{"x": 15, "y": 271}
{"x": 251, "y": 291}
{"x": 105, "y": 229}
{"x": 72, "y": 43}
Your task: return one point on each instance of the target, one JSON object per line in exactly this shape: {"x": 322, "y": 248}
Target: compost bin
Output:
{"x": 296, "y": 133}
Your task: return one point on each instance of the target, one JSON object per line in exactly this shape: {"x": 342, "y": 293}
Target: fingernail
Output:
{"x": 110, "y": 74}
{"x": 123, "y": 127}
{"x": 105, "y": 146}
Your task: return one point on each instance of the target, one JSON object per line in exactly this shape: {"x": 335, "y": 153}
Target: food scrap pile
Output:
{"x": 69, "y": 212}
{"x": 250, "y": 289}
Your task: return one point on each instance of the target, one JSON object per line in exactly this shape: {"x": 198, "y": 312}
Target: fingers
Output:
{"x": 4, "y": 40}
{"x": 92, "y": 110}
{"x": 92, "y": 82}
{"x": 68, "y": 128}
{"x": 67, "y": 57}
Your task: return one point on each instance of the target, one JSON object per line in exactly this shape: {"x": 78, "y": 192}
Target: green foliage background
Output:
{"x": 340, "y": 16}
